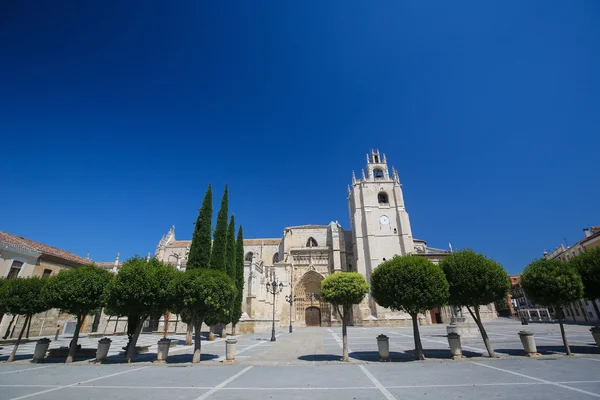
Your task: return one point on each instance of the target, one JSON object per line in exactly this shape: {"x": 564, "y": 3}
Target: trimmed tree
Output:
{"x": 342, "y": 290}
{"x": 552, "y": 283}
{"x": 141, "y": 288}
{"x": 202, "y": 293}
{"x": 199, "y": 256}
{"x": 23, "y": 296}
{"x": 218, "y": 257}
{"x": 79, "y": 292}
{"x": 475, "y": 280}
{"x": 239, "y": 280}
{"x": 412, "y": 284}
{"x": 588, "y": 266}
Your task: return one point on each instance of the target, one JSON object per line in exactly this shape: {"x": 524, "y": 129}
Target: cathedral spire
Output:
{"x": 363, "y": 175}
{"x": 353, "y": 178}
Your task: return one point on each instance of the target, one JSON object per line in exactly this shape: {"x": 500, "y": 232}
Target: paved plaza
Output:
{"x": 305, "y": 364}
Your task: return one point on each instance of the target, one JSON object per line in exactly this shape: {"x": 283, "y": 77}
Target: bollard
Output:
{"x": 596, "y": 334}
{"x": 102, "y": 351}
{"x": 39, "y": 354}
{"x": 164, "y": 345}
{"x": 528, "y": 343}
{"x": 230, "y": 345}
{"x": 455, "y": 346}
{"x": 383, "y": 345}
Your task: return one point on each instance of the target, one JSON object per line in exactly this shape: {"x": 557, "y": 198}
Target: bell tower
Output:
{"x": 378, "y": 218}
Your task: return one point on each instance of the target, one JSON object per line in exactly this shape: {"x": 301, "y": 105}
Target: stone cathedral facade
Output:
{"x": 304, "y": 255}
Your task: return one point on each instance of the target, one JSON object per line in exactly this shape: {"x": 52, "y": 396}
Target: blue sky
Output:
{"x": 115, "y": 116}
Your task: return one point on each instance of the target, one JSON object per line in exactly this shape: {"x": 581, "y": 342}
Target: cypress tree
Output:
{"x": 239, "y": 277}
{"x": 200, "y": 250}
{"x": 231, "y": 267}
{"x": 218, "y": 257}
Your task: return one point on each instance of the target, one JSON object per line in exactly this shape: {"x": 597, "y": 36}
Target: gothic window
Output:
{"x": 378, "y": 173}
{"x": 15, "y": 268}
{"x": 311, "y": 242}
{"x": 275, "y": 257}
{"x": 382, "y": 197}
{"x": 376, "y": 158}
{"x": 249, "y": 256}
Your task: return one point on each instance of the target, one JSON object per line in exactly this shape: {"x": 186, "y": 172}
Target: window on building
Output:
{"x": 15, "y": 268}
{"x": 349, "y": 267}
{"x": 376, "y": 158}
{"x": 249, "y": 256}
{"x": 47, "y": 273}
{"x": 395, "y": 230}
{"x": 311, "y": 242}
{"x": 275, "y": 258}
{"x": 382, "y": 198}
{"x": 378, "y": 173}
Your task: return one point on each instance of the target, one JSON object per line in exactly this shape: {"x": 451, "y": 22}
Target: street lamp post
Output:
{"x": 274, "y": 288}
{"x": 290, "y": 299}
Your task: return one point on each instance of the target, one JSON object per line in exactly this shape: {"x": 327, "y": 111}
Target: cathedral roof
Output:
{"x": 180, "y": 243}
{"x": 44, "y": 249}
{"x": 258, "y": 242}
{"x": 307, "y": 227}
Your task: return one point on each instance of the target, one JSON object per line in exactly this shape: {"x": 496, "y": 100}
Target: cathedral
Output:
{"x": 305, "y": 255}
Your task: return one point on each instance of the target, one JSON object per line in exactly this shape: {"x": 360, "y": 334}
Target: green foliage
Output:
{"x": 77, "y": 291}
{"x": 23, "y": 296}
{"x": 474, "y": 279}
{"x": 239, "y": 276}
{"x": 409, "y": 283}
{"x": 2, "y": 305}
{"x": 218, "y": 257}
{"x": 551, "y": 283}
{"x": 231, "y": 270}
{"x": 588, "y": 266}
{"x": 344, "y": 288}
{"x": 205, "y": 294}
{"x": 199, "y": 256}
{"x": 140, "y": 288}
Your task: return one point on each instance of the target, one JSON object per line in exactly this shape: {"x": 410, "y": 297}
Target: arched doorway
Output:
{"x": 312, "y": 316}
{"x": 310, "y": 310}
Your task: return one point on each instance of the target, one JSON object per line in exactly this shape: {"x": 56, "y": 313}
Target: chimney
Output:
{"x": 586, "y": 232}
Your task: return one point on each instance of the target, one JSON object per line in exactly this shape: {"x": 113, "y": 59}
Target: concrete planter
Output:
{"x": 39, "y": 354}
{"x": 455, "y": 346}
{"x": 383, "y": 345}
{"x": 163, "y": 350}
{"x": 102, "y": 351}
{"x": 230, "y": 346}
{"x": 528, "y": 342}
{"x": 596, "y": 334}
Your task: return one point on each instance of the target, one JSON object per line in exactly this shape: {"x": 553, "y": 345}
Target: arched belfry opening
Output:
{"x": 310, "y": 309}
{"x": 249, "y": 256}
{"x": 311, "y": 242}
{"x": 382, "y": 198}
{"x": 378, "y": 173}
{"x": 275, "y": 257}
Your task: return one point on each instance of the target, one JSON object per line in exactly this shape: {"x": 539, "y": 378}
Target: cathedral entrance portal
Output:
{"x": 310, "y": 310}
{"x": 313, "y": 316}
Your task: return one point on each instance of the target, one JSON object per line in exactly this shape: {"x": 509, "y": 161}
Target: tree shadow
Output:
{"x": 395, "y": 356}
{"x": 321, "y": 357}
{"x": 187, "y": 358}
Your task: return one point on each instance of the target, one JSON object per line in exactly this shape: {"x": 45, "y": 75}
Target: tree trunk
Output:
{"x": 28, "y": 327}
{"x": 418, "y": 346}
{"x": 73, "y": 348}
{"x": 595, "y": 308}
{"x": 345, "y": 356}
{"x": 197, "y": 342}
{"x": 13, "y": 320}
{"x": 562, "y": 332}
{"x": 11, "y": 358}
{"x": 211, "y": 333}
{"x": 189, "y": 333}
{"x": 484, "y": 336}
{"x": 134, "y": 339}
{"x": 233, "y": 330}
{"x": 167, "y": 317}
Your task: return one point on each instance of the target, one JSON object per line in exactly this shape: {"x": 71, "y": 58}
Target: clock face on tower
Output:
{"x": 384, "y": 220}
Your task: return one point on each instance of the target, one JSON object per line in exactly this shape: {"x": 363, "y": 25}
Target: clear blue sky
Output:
{"x": 115, "y": 116}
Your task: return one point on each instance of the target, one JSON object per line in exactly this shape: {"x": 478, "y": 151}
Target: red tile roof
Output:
{"x": 31, "y": 245}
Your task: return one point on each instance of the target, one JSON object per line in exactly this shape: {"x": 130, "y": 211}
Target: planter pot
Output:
{"x": 163, "y": 350}
{"x": 455, "y": 346}
{"x": 596, "y": 334}
{"x": 528, "y": 342}
{"x": 383, "y": 345}
{"x": 41, "y": 347}
{"x": 230, "y": 346}
{"x": 103, "y": 347}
